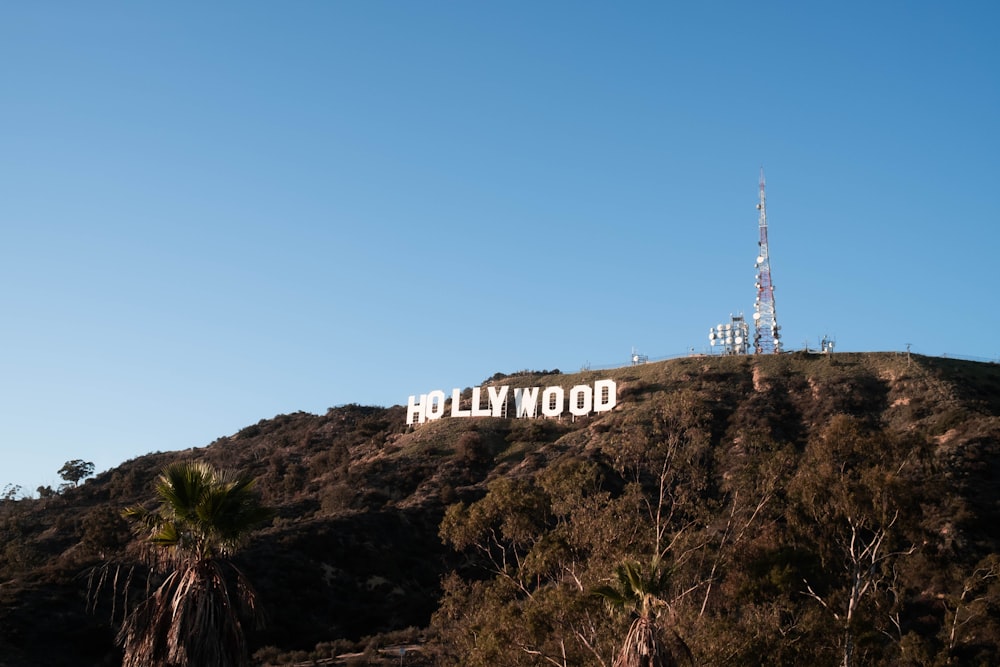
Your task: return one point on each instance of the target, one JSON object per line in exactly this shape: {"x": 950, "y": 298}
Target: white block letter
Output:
{"x": 435, "y": 405}
{"x": 605, "y": 395}
{"x": 456, "y": 404}
{"x": 477, "y": 410}
{"x": 581, "y": 399}
{"x": 415, "y": 411}
{"x": 525, "y": 401}
{"x": 552, "y": 401}
{"x": 498, "y": 399}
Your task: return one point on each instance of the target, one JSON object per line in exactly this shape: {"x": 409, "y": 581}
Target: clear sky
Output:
{"x": 213, "y": 213}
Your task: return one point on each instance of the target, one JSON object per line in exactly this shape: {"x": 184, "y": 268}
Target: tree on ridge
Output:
{"x": 76, "y": 470}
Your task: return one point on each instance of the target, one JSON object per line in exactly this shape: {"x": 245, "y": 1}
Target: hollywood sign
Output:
{"x": 529, "y": 402}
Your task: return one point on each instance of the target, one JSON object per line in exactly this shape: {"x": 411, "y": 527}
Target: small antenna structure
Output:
{"x": 731, "y": 338}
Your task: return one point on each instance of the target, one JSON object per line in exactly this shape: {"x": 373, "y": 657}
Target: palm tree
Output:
{"x": 193, "y": 618}
{"x": 648, "y": 643}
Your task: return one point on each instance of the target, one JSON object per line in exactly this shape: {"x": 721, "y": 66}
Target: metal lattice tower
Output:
{"x": 766, "y": 337}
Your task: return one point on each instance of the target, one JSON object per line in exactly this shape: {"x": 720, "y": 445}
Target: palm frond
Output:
{"x": 194, "y": 617}
{"x": 613, "y": 597}
{"x": 640, "y": 594}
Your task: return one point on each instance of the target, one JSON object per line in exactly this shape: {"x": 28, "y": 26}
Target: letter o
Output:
{"x": 435, "y": 404}
{"x": 581, "y": 400}
{"x": 552, "y": 401}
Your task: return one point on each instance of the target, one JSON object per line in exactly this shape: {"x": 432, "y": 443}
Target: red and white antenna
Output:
{"x": 767, "y": 333}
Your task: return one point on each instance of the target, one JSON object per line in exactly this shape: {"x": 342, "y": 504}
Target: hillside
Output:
{"x": 805, "y": 506}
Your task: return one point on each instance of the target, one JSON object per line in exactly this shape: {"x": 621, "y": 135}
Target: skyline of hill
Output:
{"x": 402, "y": 533}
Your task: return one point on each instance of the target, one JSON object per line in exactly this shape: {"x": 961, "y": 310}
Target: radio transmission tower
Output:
{"x": 766, "y": 337}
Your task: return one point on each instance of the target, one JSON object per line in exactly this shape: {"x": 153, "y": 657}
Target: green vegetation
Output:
{"x": 649, "y": 642}
{"x": 784, "y": 510}
{"x": 76, "y": 470}
{"x": 193, "y": 617}
{"x": 798, "y": 515}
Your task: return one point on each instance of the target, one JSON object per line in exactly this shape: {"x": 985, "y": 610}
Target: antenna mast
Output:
{"x": 766, "y": 338}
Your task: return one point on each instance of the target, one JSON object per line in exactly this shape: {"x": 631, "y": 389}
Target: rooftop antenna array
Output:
{"x": 731, "y": 338}
{"x": 767, "y": 336}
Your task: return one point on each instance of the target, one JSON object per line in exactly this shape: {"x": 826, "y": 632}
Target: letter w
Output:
{"x": 525, "y": 401}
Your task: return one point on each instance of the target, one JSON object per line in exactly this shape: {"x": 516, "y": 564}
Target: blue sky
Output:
{"x": 213, "y": 214}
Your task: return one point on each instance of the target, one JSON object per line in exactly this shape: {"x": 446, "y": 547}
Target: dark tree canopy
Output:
{"x": 76, "y": 470}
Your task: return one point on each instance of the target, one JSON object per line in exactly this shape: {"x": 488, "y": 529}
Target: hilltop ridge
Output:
{"x": 394, "y": 532}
